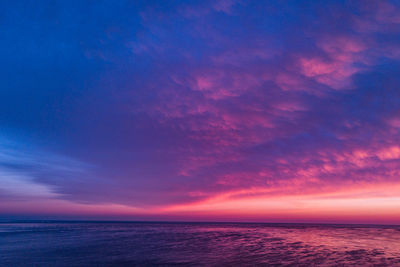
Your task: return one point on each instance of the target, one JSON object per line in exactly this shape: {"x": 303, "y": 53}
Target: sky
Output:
{"x": 273, "y": 111}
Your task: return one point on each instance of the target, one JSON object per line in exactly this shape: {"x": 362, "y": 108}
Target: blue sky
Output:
{"x": 185, "y": 108}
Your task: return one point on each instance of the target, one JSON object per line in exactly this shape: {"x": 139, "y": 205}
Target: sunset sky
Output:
{"x": 273, "y": 111}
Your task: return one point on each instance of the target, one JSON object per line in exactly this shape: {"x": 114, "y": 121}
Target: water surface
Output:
{"x": 197, "y": 244}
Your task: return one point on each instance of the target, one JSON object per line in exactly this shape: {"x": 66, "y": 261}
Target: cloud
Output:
{"x": 172, "y": 103}
{"x": 31, "y": 173}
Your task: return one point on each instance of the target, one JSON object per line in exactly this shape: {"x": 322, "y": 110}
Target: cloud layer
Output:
{"x": 171, "y": 106}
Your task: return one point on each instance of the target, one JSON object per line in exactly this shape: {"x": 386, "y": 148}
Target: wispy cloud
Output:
{"x": 27, "y": 171}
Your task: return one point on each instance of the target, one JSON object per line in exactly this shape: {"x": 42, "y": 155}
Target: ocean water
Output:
{"x": 197, "y": 244}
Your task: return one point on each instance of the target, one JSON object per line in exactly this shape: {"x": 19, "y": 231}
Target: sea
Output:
{"x": 196, "y": 244}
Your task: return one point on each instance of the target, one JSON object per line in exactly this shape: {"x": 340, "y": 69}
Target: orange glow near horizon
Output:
{"x": 373, "y": 203}
{"x": 361, "y": 204}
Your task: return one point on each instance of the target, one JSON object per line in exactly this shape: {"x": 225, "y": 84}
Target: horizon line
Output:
{"x": 188, "y": 222}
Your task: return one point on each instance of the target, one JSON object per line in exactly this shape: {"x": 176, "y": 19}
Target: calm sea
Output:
{"x": 197, "y": 244}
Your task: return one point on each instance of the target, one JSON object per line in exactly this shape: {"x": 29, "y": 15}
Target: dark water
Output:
{"x": 196, "y": 244}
